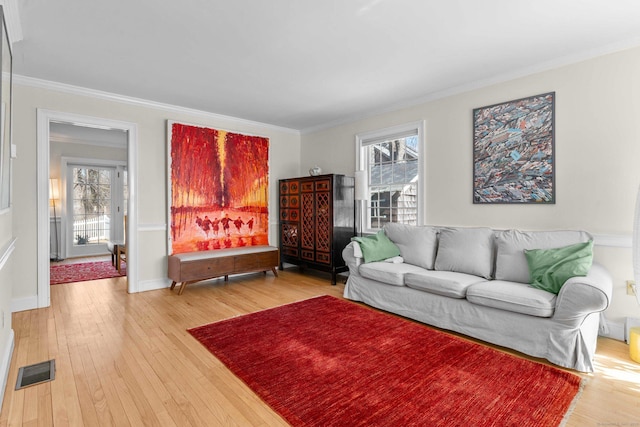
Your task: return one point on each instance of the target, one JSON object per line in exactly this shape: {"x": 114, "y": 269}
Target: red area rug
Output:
{"x": 68, "y": 273}
{"x": 330, "y": 362}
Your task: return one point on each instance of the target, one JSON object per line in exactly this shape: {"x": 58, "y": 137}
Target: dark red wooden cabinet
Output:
{"x": 316, "y": 220}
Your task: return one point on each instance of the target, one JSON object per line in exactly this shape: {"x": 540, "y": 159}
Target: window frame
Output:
{"x": 364, "y": 139}
{"x": 67, "y": 248}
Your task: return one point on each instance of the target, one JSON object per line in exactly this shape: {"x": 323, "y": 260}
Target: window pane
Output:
{"x": 104, "y": 191}
{"x": 375, "y": 174}
{"x": 384, "y": 152}
{"x": 79, "y": 191}
{"x": 411, "y": 167}
{"x": 105, "y": 177}
{"x": 399, "y": 172}
{"x": 78, "y": 208}
{"x": 92, "y": 176}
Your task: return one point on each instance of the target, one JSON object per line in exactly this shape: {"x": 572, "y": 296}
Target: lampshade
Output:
{"x": 362, "y": 186}
{"x": 54, "y": 189}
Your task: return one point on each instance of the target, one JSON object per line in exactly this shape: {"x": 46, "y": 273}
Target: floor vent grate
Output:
{"x": 36, "y": 374}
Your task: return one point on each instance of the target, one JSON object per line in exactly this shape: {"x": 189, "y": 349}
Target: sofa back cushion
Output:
{"x": 466, "y": 250}
{"x": 417, "y": 244}
{"x": 511, "y": 263}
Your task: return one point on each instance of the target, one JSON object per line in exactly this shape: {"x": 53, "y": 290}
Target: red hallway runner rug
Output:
{"x": 330, "y": 362}
{"x": 67, "y": 273}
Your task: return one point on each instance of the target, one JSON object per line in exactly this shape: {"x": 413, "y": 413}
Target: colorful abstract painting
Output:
{"x": 513, "y": 151}
{"x": 218, "y": 189}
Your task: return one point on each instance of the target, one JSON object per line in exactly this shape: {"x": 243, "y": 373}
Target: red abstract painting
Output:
{"x": 219, "y": 189}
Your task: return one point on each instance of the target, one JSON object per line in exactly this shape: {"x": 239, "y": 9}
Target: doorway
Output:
{"x": 48, "y": 120}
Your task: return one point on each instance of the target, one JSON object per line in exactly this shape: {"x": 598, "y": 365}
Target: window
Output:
{"x": 393, "y": 160}
{"x": 91, "y": 204}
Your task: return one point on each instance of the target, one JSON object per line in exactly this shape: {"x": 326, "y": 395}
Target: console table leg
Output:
{"x": 182, "y": 286}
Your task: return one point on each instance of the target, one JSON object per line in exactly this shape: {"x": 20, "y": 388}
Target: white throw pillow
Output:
{"x": 466, "y": 250}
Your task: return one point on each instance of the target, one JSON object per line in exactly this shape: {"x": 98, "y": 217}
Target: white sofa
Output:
{"x": 475, "y": 281}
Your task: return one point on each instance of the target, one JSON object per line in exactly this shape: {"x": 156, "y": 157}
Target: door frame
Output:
{"x": 44, "y": 120}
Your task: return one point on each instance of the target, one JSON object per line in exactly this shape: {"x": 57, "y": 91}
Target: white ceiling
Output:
{"x": 305, "y": 64}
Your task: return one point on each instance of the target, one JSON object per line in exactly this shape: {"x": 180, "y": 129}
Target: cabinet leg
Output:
{"x": 173, "y": 284}
{"x": 275, "y": 272}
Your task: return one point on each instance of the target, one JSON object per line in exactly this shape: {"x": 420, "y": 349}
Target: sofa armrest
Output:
{"x": 352, "y": 256}
{"x": 581, "y": 296}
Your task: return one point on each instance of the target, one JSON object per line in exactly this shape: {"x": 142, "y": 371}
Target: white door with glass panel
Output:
{"x": 95, "y": 208}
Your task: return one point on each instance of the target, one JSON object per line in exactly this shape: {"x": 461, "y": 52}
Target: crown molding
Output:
{"x": 479, "y": 84}
{"x": 12, "y": 18}
{"x": 174, "y": 109}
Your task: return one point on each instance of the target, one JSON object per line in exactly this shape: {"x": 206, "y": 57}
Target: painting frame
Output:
{"x": 6, "y": 113}
{"x": 514, "y": 151}
{"x": 217, "y": 188}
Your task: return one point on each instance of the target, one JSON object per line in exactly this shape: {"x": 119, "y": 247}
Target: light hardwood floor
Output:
{"x": 128, "y": 360}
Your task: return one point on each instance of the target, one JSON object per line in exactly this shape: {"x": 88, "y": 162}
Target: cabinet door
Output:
{"x": 289, "y": 239}
{"x": 323, "y": 223}
{"x": 289, "y": 218}
{"x": 307, "y": 226}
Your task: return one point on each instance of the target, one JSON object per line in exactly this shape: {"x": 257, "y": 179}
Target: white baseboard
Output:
{"x": 23, "y": 304}
{"x": 616, "y": 331}
{"x": 152, "y": 285}
{"x": 5, "y": 364}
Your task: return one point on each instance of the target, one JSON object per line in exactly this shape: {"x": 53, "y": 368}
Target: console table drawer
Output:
{"x": 206, "y": 268}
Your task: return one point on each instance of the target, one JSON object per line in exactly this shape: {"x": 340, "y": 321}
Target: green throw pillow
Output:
{"x": 377, "y": 247}
{"x": 550, "y": 268}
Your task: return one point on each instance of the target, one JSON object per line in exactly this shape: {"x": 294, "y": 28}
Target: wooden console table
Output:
{"x": 193, "y": 267}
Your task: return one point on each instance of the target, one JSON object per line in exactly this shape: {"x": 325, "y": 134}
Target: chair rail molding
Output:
{"x": 612, "y": 240}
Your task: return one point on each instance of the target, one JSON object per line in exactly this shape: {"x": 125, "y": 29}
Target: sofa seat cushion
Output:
{"x": 446, "y": 283}
{"x": 387, "y": 272}
{"x": 512, "y": 296}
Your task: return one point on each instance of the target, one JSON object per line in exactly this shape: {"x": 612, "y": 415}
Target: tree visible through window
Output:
{"x": 392, "y": 160}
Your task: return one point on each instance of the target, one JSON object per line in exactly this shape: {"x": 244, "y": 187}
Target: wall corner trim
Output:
{"x": 5, "y": 363}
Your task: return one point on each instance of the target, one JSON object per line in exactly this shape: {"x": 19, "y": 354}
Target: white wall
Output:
{"x": 597, "y": 156}
{"x": 83, "y": 151}
{"x": 29, "y": 95}
{"x": 7, "y": 279}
